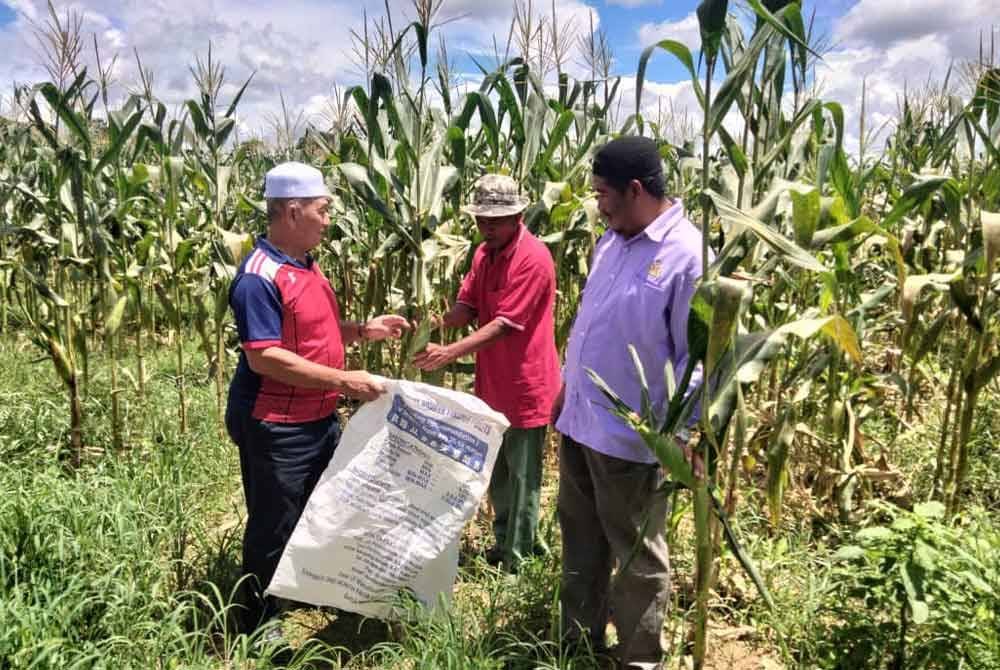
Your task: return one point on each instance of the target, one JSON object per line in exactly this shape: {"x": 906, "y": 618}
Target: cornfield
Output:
{"x": 848, "y": 328}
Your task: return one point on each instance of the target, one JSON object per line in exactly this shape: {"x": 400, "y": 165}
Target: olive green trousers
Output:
{"x": 515, "y": 490}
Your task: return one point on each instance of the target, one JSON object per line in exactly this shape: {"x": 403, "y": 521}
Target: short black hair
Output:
{"x": 276, "y": 206}
{"x": 626, "y": 158}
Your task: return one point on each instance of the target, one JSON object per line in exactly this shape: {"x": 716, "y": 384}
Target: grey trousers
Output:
{"x": 611, "y": 516}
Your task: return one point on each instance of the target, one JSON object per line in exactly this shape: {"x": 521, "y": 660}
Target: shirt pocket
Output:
{"x": 641, "y": 307}
{"x": 645, "y": 291}
{"x": 652, "y": 278}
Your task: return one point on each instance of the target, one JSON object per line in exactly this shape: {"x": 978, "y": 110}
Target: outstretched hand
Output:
{"x": 385, "y": 326}
{"x": 433, "y": 357}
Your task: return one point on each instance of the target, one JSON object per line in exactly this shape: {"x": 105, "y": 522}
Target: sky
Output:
{"x": 301, "y": 49}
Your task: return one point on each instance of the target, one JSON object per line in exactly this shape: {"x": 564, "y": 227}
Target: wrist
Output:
{"x": 363, "y": 331}
{"x": 336, "y": 380}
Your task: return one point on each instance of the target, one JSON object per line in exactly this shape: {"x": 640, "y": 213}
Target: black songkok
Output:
{"x": 626, "y": 158}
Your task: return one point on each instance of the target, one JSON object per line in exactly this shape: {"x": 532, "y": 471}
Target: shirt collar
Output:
{"x": 280, "y": 256}
{"x": 657, "y": 230}
{"x": 508, "y": 251}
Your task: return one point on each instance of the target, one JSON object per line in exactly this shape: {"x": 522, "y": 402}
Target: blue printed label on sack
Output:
{"x": 459, "y": 445}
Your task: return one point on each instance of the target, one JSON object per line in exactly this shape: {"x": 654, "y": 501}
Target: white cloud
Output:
{"x": 478, "y": 22}
{"x": 300, "y": 49}
{"x": 957, "y": 25}
{"x": 303, "y": 49}
{"x": 25, "y": 7}
{"x": 685, "y": 31}
{"x": 673, "y": 105}
{"x": 887, "y": 51}
{"x": 885, "y": 46}
{"x": 878, "y": 22}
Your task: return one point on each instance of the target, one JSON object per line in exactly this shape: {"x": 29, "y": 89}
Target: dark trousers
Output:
{"x": 610, "y": 513}
{"x": 280, "y": 465}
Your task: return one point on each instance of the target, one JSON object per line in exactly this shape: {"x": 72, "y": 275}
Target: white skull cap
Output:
{"x": 294, "y": 180}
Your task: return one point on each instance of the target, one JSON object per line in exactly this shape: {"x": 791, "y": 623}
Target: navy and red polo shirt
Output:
{"x": 281, "y": 302}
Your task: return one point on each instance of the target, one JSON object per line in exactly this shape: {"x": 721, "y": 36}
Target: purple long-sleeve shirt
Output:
{"x": 638, "y": 292}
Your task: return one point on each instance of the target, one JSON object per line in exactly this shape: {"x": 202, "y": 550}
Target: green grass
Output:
{"x": 129, "y": 561}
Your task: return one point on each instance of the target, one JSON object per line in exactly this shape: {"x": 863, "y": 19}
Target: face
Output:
{"x": 498, "y": 231}
{"x": 613, "y": 204}
{"x": 311, "y": 219}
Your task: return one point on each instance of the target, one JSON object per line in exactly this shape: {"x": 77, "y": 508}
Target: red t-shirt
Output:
{"x": 518, "y": 374}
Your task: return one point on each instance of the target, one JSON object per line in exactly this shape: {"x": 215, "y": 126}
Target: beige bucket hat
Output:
{"x": 496, "y": 195}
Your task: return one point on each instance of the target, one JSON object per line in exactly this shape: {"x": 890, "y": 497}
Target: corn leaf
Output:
{"x": 991, "y": 238}
{"x": 781, "y": 245}
{"x": 420, "y": 339}
{"x": 679, "y": 51}
{"x": 123, "y": 136}
{"x": 114, "y": 320}
{"x": 914, "y": 285}
{"x": 711, "y": 25}
{"x": 777, "y": 461}
{"x": 835, "y": 327}
{"x": 912, "y": 197}
{"x": 736, "y": 78}
{"x": 805, "y": 215}
{"x": 727, "y": 298}
{"x": 60, "y": 105}
{"x": 556, "y": 136}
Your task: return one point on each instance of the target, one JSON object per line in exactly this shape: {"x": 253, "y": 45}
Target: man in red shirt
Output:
{"x": 510, "y": 293}
{"x": 282, "y": 410}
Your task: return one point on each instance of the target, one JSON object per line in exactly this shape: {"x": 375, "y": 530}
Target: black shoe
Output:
{"x": 494, "y": 556}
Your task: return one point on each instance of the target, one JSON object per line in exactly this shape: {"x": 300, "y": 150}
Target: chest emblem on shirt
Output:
{"x": 655, "y": 270}
{"x": 291, "y": 277}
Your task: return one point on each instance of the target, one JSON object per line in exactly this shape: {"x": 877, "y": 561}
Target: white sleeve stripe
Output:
{"x": 269, "y": 268}
{"x": 252, "y": 261}
{"x": 262, "y": 265}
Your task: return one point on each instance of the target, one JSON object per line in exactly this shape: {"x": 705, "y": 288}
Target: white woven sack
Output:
{"x": 388, "y": 512}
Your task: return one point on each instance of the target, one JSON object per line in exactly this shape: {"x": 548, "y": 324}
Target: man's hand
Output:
{"x": 557, "y": 405}
{"x": 361, "y": 385}
{"x": 433, "y": 357}
{"x": 385, "y": 326}
{"x": 692, "y": 456}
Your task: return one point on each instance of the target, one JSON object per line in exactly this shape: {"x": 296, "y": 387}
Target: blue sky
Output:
{"x": 303, "y": 49}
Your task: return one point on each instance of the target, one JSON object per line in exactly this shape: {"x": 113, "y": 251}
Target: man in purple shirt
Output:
{"x": 644, "y": 271}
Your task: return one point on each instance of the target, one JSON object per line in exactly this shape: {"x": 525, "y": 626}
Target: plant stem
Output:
{"x": 179, "y": 347}
{"x": 703, "y": 533}
{"x": 941, "y": 465}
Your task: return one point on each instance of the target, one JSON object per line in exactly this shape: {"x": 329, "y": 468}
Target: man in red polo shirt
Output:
{"x": 510, "y": 293}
